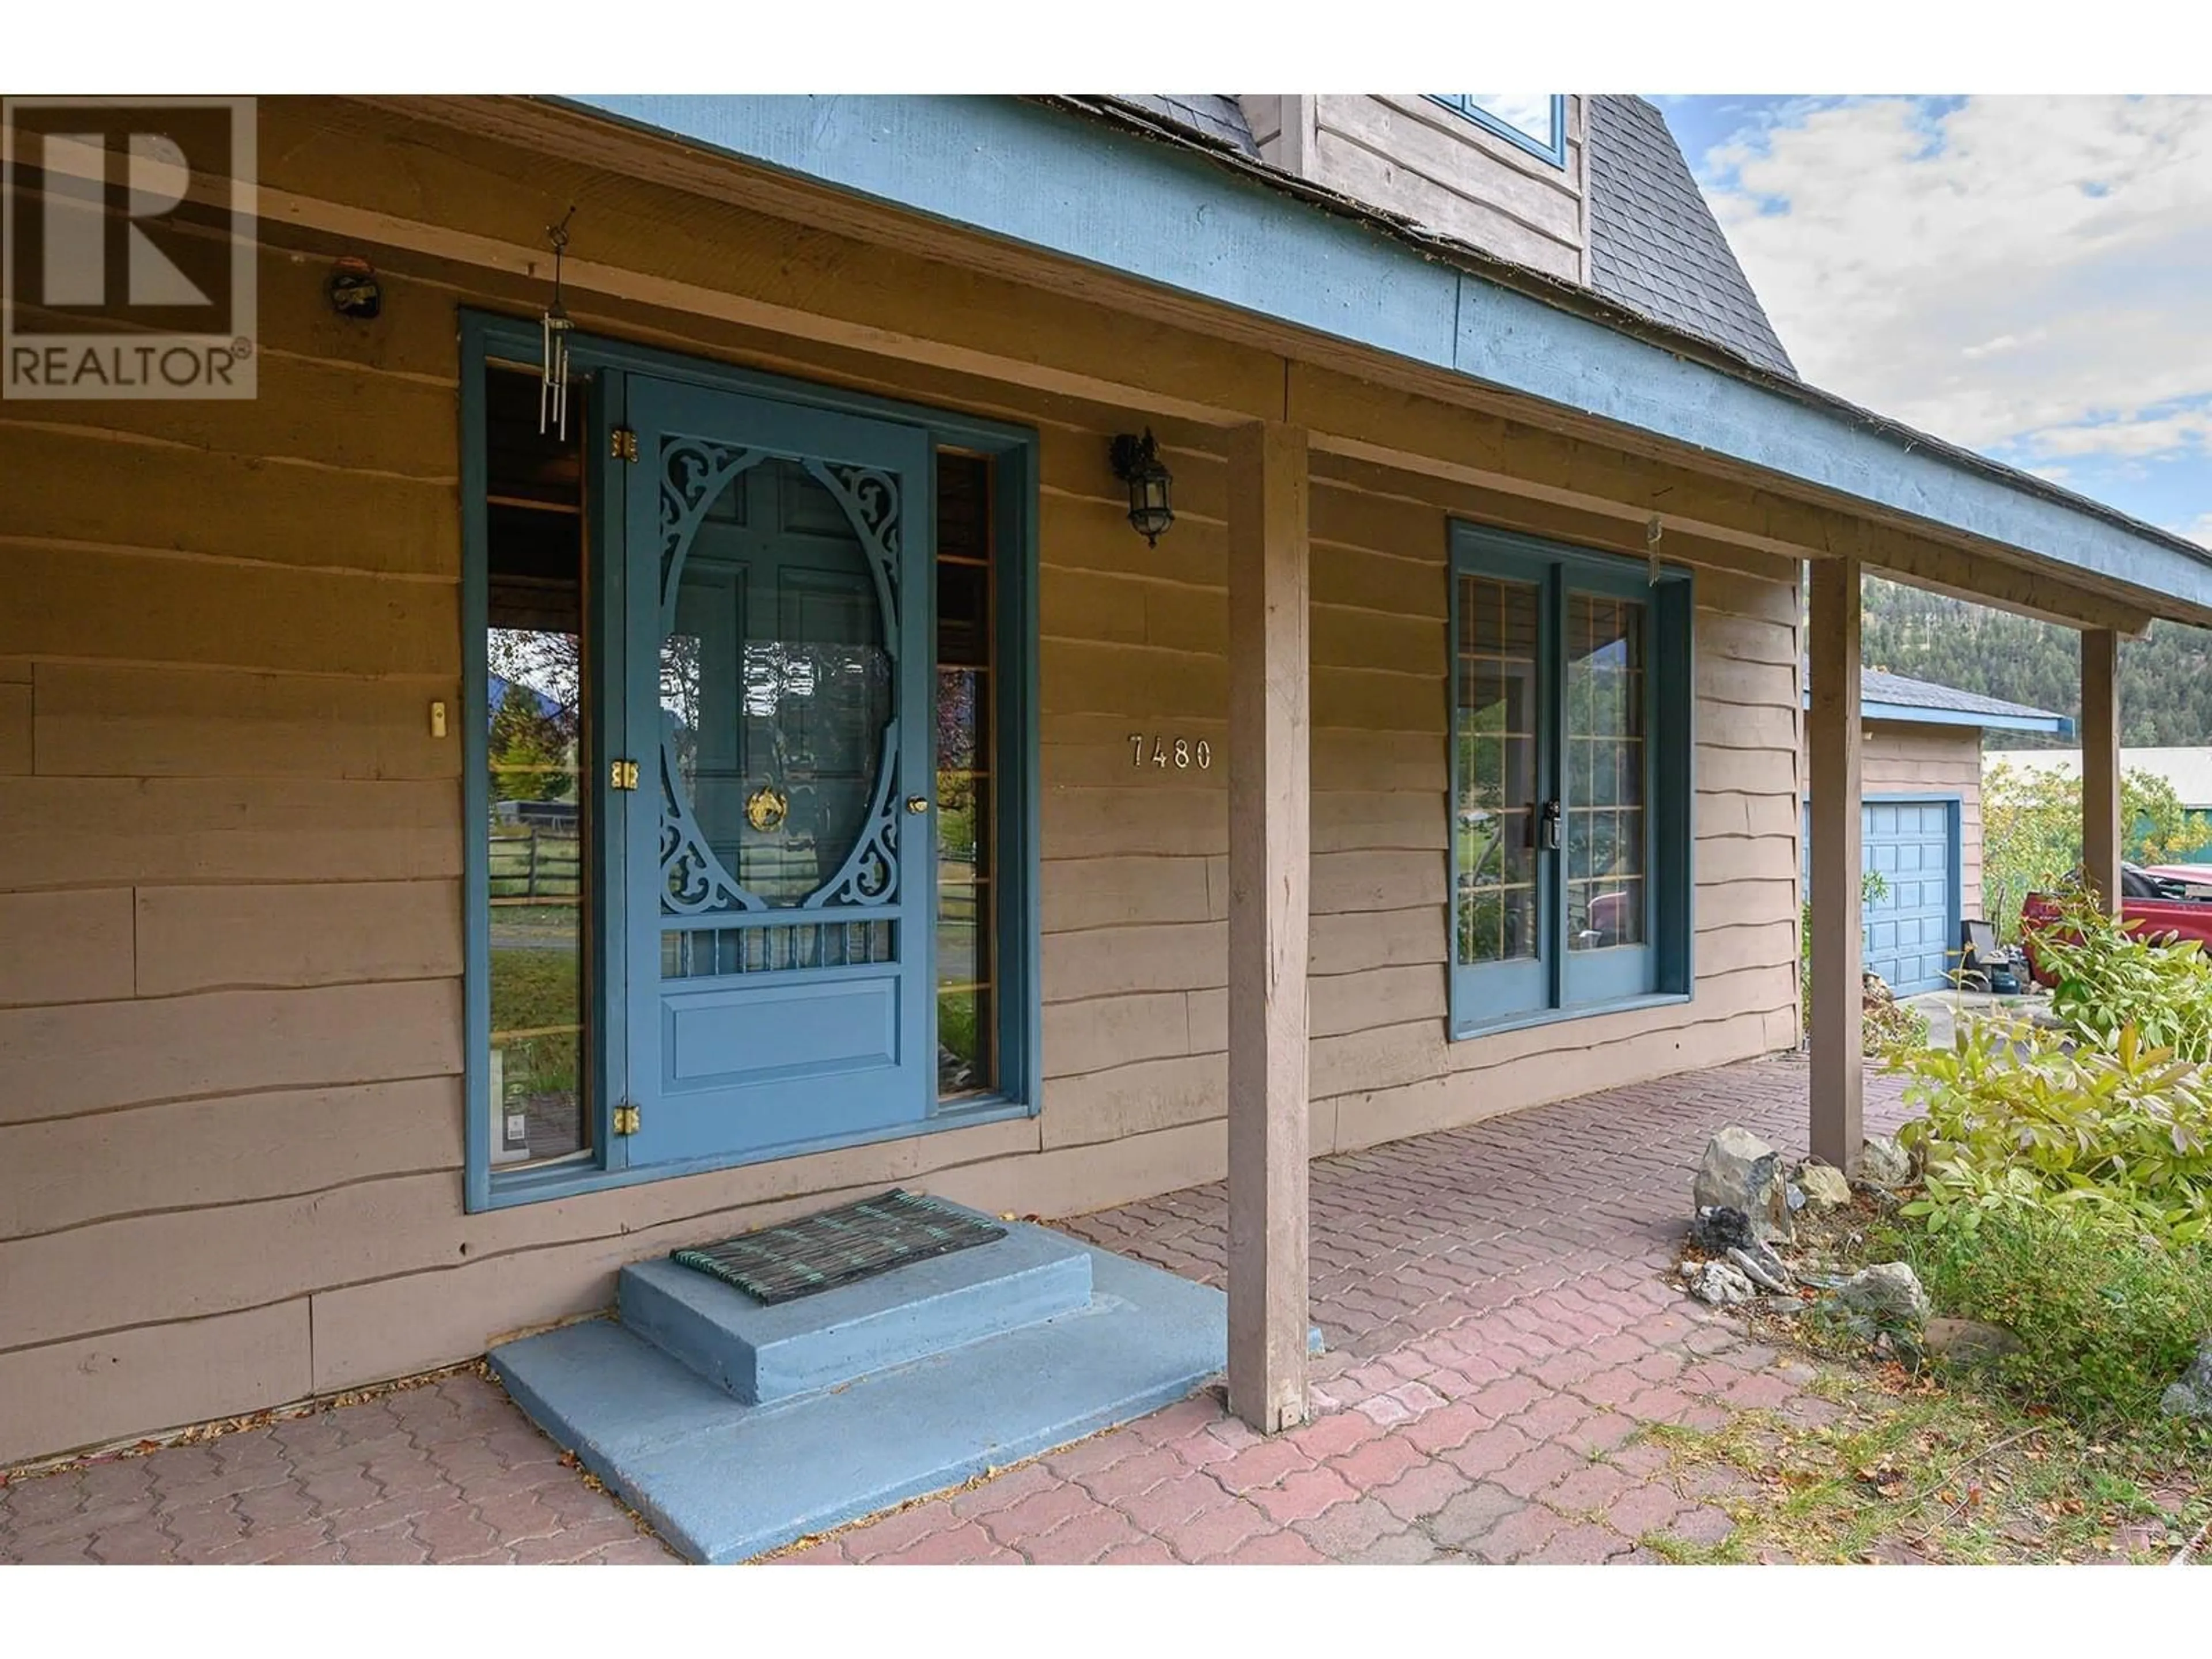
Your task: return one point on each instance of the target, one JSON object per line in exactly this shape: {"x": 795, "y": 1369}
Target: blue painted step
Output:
{"x": 761, "y": 1354}
{"x": 723, "y": 1481}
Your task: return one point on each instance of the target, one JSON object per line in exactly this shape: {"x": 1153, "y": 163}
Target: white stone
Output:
{"x": 1889, "y": 1293}
{"x": 1742, "y": 1172}
{"x": 1884, "y": 1162}
{"x": 1718, "y": 1282}
{"x": 1825, "y": 1187}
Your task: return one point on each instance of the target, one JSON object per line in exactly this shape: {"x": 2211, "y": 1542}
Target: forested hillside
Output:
{"x": 2165, "y": 678}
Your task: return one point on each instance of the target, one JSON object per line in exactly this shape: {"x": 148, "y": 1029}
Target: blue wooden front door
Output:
{"x": 780, "y": 890}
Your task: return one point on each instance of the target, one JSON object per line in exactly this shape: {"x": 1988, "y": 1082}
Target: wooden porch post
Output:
{"x": 1832, "y": 737}
{"x": 2100, "y": 763}
{"x": 1269, "y": 818}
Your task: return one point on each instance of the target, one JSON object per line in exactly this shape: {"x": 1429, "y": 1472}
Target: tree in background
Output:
{"x": 2165, "y": 677}
{"x": 528, "y": 749}
{"x": 2031, "y": 833}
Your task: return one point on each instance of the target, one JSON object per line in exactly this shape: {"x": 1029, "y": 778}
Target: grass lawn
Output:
{"x": 1894, "y": 1462}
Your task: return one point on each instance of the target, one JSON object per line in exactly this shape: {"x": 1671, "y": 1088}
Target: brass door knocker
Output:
{"x": 766, "y": 806}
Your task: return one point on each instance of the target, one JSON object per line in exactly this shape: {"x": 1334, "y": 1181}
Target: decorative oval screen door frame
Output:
{"x": 781, "y": 899}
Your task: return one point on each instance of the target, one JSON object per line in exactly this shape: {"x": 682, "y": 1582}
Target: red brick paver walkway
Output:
{"x": 1499, "y": 1329}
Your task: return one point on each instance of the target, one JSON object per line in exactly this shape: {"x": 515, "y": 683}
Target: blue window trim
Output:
{"x": 1462, "y": 105}
{"x": 1666, "y": 969}
{"x": 487, "y": 337}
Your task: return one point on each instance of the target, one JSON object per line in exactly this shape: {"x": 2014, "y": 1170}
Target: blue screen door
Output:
{"x": 780, "y": 887}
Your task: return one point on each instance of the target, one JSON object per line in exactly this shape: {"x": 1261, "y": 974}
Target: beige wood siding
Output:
{"x": 230, "y": 932}
{"x": 1409, "y": 155}
{"x": 1900, "y": 759}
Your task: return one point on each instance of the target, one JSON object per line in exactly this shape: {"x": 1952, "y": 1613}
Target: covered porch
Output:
{"x": 1380, "y": 441}
{"x": 1500, "y": 1323}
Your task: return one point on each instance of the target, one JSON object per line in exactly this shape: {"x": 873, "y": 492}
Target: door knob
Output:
{"x": 917, "y": 803}
{"x": 1548, "y": 832}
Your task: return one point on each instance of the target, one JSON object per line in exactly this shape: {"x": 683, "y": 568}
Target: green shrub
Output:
{"x": 2108, "y": 977}
{"x": 2013, "y": 1118}
{"x": 2106, "y": 1318}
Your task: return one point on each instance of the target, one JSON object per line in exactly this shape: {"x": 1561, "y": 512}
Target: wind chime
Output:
{"x": 553, "y": 360}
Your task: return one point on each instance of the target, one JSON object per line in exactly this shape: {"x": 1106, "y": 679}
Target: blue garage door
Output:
{"x": 1913, "y": 934}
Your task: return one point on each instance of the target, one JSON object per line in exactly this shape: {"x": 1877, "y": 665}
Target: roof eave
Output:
{"x": 1216, "y": 226}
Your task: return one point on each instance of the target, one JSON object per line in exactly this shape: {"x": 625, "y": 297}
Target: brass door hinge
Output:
{"x": 626, "y": 1118}
{"x": 624, "y": 444}
{"x": 622, "y": 774}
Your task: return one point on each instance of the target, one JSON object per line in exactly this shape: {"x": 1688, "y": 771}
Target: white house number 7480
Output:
{"x": 1180, "y": 753}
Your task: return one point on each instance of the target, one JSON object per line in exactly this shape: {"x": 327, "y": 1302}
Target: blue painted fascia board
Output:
{"x": 1170, "y": 214}
{"x": 1913, "y": 714}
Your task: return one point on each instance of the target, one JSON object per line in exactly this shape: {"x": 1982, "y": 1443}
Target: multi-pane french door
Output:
{"x": 780, "y": 883}
{"x": 1570, "y": 767}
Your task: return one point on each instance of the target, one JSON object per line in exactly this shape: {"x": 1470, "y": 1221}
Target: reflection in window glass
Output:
{"x": 536, "y": 757}
{"x": 1529, "y": 112}
{"x": 967, "y": 923}
{"x": 775, "y": 687}
{"x": 1606, "y": 837}
{"x": 1495, "y": 729}
{"x": 1535, "y": 119}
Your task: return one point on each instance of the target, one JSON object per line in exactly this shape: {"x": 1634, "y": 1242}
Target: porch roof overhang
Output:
{"x": 1094, "y": 181}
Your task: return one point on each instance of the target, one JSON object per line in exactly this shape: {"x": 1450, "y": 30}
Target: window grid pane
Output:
{"x": 1494, "y": 727}
{"x": 1606, "y": 834}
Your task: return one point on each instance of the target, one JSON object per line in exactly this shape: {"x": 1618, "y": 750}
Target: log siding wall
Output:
{"x": 1410, "y": 154}
{"x": 1903, "y": 759}
{"x": 230, "y": 927}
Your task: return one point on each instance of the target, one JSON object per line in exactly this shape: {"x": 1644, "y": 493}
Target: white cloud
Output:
{"x": 2201, "y": 531}
{"x": 2138, "y": 439}
{"x": 2011, "y": 271}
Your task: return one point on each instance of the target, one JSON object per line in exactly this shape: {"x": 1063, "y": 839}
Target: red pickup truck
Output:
{"x": 2162, "y": 901}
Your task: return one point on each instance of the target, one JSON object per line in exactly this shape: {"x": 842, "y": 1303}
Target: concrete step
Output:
{"x": 762, "y": 1354}
{"x": 723, "y": 1481}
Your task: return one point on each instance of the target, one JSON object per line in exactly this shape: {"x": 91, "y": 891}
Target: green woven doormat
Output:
{"x": 837, "y": 1246}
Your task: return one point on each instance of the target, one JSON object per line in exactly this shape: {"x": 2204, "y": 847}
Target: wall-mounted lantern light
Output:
{"x": 1137, "y": 463}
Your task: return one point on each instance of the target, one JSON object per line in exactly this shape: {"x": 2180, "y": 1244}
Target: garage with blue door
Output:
{"x": 1912, "y": 930}
{"x": 1920, "y": 823}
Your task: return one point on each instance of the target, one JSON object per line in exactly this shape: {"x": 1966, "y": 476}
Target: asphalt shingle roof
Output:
{"x": 1212, "y": 115}
{"x": 1655, "y": 245}
{"x": 1875, "y": 686}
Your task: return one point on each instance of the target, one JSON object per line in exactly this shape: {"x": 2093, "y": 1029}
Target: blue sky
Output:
{"x": 2031, "y": 277}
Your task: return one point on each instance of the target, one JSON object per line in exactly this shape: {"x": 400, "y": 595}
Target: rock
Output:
{"x": 1782, "y": 1306}
{"x": 1888, "y": 1293}
{"x": 2192, "y": 1395}
{"x": 1968, "y": 1341}
{"x": 1718, "y": 1227}
{"x": 1763, "y": 1268}
{"x": 1794, "y": 1195}
{"x": 1825, "y": 1187}
{"x": 1720, "y": 1284}
{"x": 1884, "y": 1162}
{"x": 1739, "y": 1172}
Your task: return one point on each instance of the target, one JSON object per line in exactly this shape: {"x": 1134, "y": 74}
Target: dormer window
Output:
{"x": 1536, "y": 121}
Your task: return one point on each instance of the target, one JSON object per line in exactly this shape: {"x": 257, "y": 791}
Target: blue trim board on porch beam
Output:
{"x": 1914, "y": 714}
{"x": 1050, "y": 178}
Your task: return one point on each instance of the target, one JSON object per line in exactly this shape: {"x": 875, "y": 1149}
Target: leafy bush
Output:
{"x": 1884, "y": 1025}
{"x": 2109, "y": 977}
{"x": 1888, "y": 1027}
{"x": 2015, "y": 1118}
{"x": 2105, "y": 1318}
